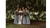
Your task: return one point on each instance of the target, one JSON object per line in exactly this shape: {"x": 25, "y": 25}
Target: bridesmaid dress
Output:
{"x": 27, "y": 18}
{"x": 16, "y": 18}
{"x": 24, "y": 18}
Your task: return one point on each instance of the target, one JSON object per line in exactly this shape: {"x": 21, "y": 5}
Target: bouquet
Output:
{"x": 23, "y": 14}
{"x": 26, "y": 13}
{"x": 16, "y": 13}
{"x": 20, "y": 13}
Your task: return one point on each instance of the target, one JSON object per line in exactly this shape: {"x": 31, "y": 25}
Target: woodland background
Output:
{"x": 37, "y": 9}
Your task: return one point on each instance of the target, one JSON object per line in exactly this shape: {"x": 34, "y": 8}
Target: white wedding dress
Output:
{"x": 20, "y": 18}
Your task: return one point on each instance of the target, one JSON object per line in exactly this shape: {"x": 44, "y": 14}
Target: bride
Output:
{"x": 20, "y": 16}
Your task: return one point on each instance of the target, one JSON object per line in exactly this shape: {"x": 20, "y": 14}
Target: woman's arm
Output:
{"x": 28, "y": 12}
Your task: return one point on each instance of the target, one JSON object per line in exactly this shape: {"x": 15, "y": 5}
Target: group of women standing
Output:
{"x": 22, "y": 16}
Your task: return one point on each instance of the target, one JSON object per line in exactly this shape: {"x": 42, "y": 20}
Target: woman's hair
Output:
{"x": 19, "y": 9}
{"x": 27, "y": 9}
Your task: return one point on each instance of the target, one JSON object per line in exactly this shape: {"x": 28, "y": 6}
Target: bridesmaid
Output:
{"x": 16, "y": 16}
{"x": 24, "y": 19}
{"x": 27, "y": 16}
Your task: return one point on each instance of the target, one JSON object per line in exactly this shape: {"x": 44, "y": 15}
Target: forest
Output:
{"x": 37, "y": 9}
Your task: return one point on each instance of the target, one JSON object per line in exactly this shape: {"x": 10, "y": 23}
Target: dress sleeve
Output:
{"x": 28, "y": 12}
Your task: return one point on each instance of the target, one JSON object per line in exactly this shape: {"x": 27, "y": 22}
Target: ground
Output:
{"x": 34, "y": 24}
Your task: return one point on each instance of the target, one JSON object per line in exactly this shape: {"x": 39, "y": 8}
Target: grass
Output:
{"x": 18, "y": 26}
